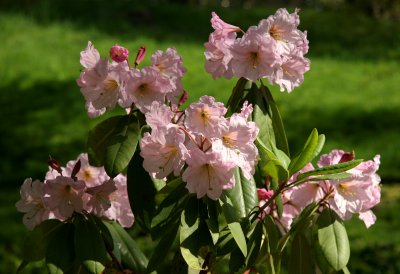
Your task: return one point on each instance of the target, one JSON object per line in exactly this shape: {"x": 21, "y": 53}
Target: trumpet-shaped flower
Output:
{"x": 99, "y": 197}
{"x": 208, "y": 174}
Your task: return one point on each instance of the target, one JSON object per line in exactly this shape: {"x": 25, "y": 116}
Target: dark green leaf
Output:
{"x": 166, "y": 190}
{"x": 254, "y": 244}
{"x": 141, "y": 192}
{"x": 300, "y": 261}
{"x": 113, "y": 142}
{"x": 212, "y": 220}
{"x": 233, "y": 217}
{"x": 332, "y": 239}
{"x": 226, "y": 243}
{"x": 89, "y": 244}
{"x": 307, "y": 154}
{"x": 169, "y": 211}
{"x": 162, "y": 248}
{"x": 131, "y": 255}
{"x": 236, "y": 95}
{"x": 35, "y": 245}
{"x": 236, "y": 261}
{"x": 332, "y": 169}
{"x": 60, "y": 253}
{"x": 279, "y": 130}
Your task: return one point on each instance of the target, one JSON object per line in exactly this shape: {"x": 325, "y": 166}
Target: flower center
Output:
{"x": 110, "y": 85}
{"x": 276, "y": 33}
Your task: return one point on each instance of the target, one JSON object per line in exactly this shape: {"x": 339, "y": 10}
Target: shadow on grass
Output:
{"x": 345, "y": 33}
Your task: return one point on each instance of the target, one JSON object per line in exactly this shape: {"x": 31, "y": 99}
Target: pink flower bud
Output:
{"x": 264, "y": 194}
{"x": 140, "y": 56}
{"x": 119, "y": 54}
{"x": 54, "y": 164}
{"x": 347, "y": 157}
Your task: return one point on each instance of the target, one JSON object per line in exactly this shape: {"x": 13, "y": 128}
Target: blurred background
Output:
{"x": 351, "y": 94}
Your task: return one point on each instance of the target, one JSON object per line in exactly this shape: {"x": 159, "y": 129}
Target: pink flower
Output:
{"x": 159, "y": 117}
{"x": 102, "y": 84}
{"x": 254, "y": 56}
{"x": 89, "y": 57}
{"x": 291, "y": 72}
{"x": 164, "y": 152}
{"x": 31, "y": 203}
{"x": 207, "y": 117}
{"x": 207, "y": 174}
{"x": 119, "y": 54}
{"x": 170, "y": 66}
{"x": 144, "y": 87}
{"x": 64, "y": 195}
{"x": 264, "y": 194}
{"x": 120, "y": 209}
{"x": 223, "y": 29}
{"x": 357, "y": 194}
{"x": 99, "y": 197}
{"x": 237, "y": 144}
{"x": 218, "y": 57}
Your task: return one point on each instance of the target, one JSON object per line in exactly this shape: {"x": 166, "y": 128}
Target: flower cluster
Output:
{"x": 354, "y": 195}
{"x": 274, "y": 50}
{"x": 78, "y": 187}
{"x": 104, "y": 84}
{"x": 201, "y": 137}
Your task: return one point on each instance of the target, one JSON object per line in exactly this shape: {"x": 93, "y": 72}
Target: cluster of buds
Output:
{"x": 78, "y": 187}
{"x": 273, "y": 50}
{"x": 105, "y": 84}
{"x": 354, "y": 195}
{"x": 201, "y": 137}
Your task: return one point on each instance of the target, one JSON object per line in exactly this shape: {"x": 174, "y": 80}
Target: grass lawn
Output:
{"x": 351, "y": 94}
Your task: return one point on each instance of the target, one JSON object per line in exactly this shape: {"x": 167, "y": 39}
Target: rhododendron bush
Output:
{"x": 214, "y": 185}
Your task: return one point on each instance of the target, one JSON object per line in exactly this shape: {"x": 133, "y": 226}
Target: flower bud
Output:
{"x": 119, "y": 54}
{"x": 140, "y": 56}
{"x": 347, "y": 157}
{"x": 54, "y": 164}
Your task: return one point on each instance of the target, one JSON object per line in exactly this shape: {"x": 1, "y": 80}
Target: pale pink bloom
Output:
{"x": 356, "y": 194}
{"x": 223, "y": 29}
{"x": 89, "y": 57}
{"x": 159, "y": 117}
{"x": 31, "y": 203}
{"x": 120, "y": 209}
{"x": 99, "y": 197}
{"x": 282, "y": 27}
{"x": 64, "y": 195}
{"x": 246, "y": 110}
{"x": 207, "y": 117}
{"x": 119, "y": 54}
{"x": 254, "y": 56}
{"x": 171, "y": 68}
{"x": 207, "y": 174}
{"x": 237, "y": 144}
{"x": 164, "y": 152}
{"x": 218, "y": 57}
{"x": 144, "y": 87}
{"x": 291, "y": 72}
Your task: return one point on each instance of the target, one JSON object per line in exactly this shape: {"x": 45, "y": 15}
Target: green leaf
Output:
{"x": 236, "y": 95}
{"x": 236, "y": 261}
{"x": 244, "y": 195}
{"x": 35, "y": 244}
{"x": 169, "y": 211}
{"x": 332, "y": 239}
{"x": 193, "y": 234}
{"x": 332, "y": 169}
{"x": 60, "y": 253}
{"x": 141, "y": 192}
{"x": 232, "y": 216}
{"x": 161, "y": 250}
{"x": 166, "y": 190}
{"x": 300, "y": 260}
{"x": 307, "y": 154}
{"x": 131, "y": 255}
{"x": 113, "y": 142}
{"x": 274, "y": 162}
{"x": 279, "y": 130}
{"x": 89, "y": 244}
{"x": 212, "y": 220}
{"x": 225, "y": 243}
{"x": 254, "y": 244}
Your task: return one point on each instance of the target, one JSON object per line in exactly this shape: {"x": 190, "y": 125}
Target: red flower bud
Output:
{"x": 54, "y": 164}
{"x": 140, "y": 56}
{"x": 347, "y": 157}
{"x": 119, "y": 54}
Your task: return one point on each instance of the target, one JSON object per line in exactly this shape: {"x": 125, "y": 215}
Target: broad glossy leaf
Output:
{"x": 60, "y": 253}
{"x": 193, "y": 234}
{"x": 307, "y": 154}
{"x": 237, "y": 94}
{"x": 35, "y": 244}
{"x": 300, "y": 260}
{"x": 254, "y": 244}
{"x": 89, "y": 244}
{"x": 113, "y": 142}
{"x": 232, "y": 217}
{"x": 141, "y": 192}
{"x": 332, "y": 239}
{"x": 279, "y": 130}
{"x": 332, "y": 169}
{"x": 244, "y": 195}
{"x": 212, "y": 220}
{"x": 131, "y": 255}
